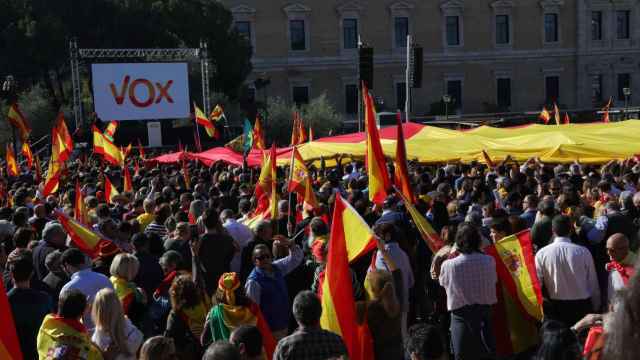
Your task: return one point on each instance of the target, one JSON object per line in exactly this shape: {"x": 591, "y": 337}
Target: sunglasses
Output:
{"x": 262, "y": 257}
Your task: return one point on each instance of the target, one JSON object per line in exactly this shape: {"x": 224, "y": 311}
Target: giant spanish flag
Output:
{"x": 374, "y": 158}
{"x": 258, "y": 135}
{"x": 428, "y": 234}
{"x": 519, "y": 293}
{"x": 338, "y": 305}
{"x": 12, "y": 165}
{"x": 401, "y": 173}
{"x": 60, "y": 338}
{"x": 110, "y": 191}
{"x": 19, "y": 121}
{"x": 61, "y": 133}
{"x": 104, "y": 147}
{"x": 300, "y": 181}
{"x": 84, "y": 238}
{"x": 9, "y": 343}
{"x": 28, "y": 155}
{"x": 204, "y": 121}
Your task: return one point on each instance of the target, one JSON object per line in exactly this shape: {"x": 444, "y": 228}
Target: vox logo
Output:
{"x": 155, "y": 92}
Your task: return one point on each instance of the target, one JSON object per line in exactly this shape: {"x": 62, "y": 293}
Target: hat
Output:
{"x": 228, "y": 283}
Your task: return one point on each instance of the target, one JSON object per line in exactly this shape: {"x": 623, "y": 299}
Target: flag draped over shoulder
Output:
{"x": 338, "y": 305}
{"x": 374, "y": 159}
{"x": 9, "y": 343}
{"x": 28, "y": 155}
{"x": 204, "y": 121}
{"x": 60, "y": 338}
{"x": 19, "y": 121}
{"x": 519, "y": 293}
{"x": 12, "y": 164}
{"x": 84, "y": 238}
{"x": 428, "y": 234}
{"x": 301, "y": 181}
{"x": 258, "y": 135}
{"x": 401, "y": 174}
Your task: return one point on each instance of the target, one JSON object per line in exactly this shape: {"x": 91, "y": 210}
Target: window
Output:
{"x": 502, "y": 29}
{"x": 351, "y": 99}
{"x": 550, "y": 27}
{"x": 350, "y": 33}
{"x": 596, "y": 89}
{"x": 297, "y": 35}
{"x": 401, "y": 30}
{"x": 401, "y": 95}
{"x": 300, "y": 95}
{"x": 453, "y": 30}
{"x": 596, "y": 25}
{"x": 624, "y": 81}
{"x": 244, "y": 29}
{"x": 552, "y": 89}
{"x": 454, "y": 89}
{"x": 622, "y": 24}
{"x": 504, "y": 93}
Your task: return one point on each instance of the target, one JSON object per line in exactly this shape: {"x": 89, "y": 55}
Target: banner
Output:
{"x": 141, "y": 91}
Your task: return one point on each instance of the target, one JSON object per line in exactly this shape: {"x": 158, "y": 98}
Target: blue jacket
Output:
{"x": 274, "y": 297}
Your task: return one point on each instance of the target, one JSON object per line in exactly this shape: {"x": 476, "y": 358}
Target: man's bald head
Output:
{"x": 618, "y": 247}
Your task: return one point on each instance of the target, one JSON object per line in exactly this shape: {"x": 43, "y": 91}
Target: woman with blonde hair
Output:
{"x": 123, "y": 270}
{"x": 114, "y": 332}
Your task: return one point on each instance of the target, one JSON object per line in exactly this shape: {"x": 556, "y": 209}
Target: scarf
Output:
{"x": 165, "y": 284}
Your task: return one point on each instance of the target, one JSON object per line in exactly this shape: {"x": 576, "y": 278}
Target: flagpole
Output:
{"x": 289, "y": 222}
{"x": 197, "y": 130}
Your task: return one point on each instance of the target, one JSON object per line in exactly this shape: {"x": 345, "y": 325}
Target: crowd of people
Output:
{"x": 183, "y": 277}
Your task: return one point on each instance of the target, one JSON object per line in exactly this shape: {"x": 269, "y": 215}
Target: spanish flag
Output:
{"x": 204, "y": 121}
{"x": 84, "y": 238}
{"x": 258, "y": 135}
{"x": 217, "y": 114}
{"x": 544, "y": 115}
{"x": 300, "y": 181}
{"x": 374, "y": 159}
{"x": 12, "y": 165}
{"x": 128, "y": 184}
{"x": 401, "y": 174}
{"x": 54, "y": 171}
{"x": 110, "y": 191}
{"x": 19, "y": 121}
{"x": 125, "y": 290}
{"x": 338, "y": 305}
{"x": 294, "y": 129}
{"x": 60, "y": 338}
{"x": 79, "y": 212}
{"x": 110, "y": 131}
{"x": 28, "y": 155}
{"x": 141, "y": 150}
{"x": 519, "y": 307}
{"x": 62, "y": 135}
{"x": 302, "y": 132}
{"x": 266, "y": 189}
{"x": 9, "y": 343}
{"x": 605, "y": 109}
{"x": 104, "y": 147}
{"x": 428, "y": 234}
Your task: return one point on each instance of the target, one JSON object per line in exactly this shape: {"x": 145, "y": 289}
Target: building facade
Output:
{"x": 488, "y": 55}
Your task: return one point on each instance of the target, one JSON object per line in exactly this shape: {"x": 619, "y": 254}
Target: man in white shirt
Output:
{"x": 568, "y": 276}
{"x": 240, "y": 233}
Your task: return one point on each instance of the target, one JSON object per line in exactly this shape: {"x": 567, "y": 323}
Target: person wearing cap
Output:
{"x": 75, "y": 264}
{"x": 53, "y": 238}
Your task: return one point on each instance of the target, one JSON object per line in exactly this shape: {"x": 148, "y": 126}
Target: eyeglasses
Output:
{"x": 262, "y": 257}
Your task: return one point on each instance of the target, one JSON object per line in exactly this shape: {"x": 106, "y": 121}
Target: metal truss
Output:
{"x": 150, "y": 54}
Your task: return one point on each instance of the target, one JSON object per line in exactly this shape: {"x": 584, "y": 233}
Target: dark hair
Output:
{"x": 21, "y": 268}
{"x": 71, "y": 304}
{"x": 162, "y": 213}
{"x": 239, "y": 294}
{"x": 140, "y": 240}
{"x": 425, "y": 341}
{"x": 103, "y": 210}
{"x": 561, "y": 225}
{"x": 558, "y": 342}
{"x": 501, "y": 224}
{"x": 73, "y": 257}
{"x": 307, "y": 308}
{"x": 184, "y": 293}
{"x": 221, "y": 350}
{"x": 250, "y": 336}
{"x": 387, "y": 228}
{"x": 22, "y": 237}
{"x": 210, "y": 218}
{"x": 318, "y": 226}
{"x": 468, "y": 238}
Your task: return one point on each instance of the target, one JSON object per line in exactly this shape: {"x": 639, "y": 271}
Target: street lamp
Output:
{"x": 627, "y": 93}
{"x": 447, "y": 99}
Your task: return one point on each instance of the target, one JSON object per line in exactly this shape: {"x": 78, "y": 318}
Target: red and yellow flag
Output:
{"x": 544, "y": 115}
{"x": 216, "y": 114}
{"x": 294, "y": 129}
{"x": 9, "y": 343}
{"x": 87, "y": 240}
{"x": 110, "y": 131}
{"x": 302, "y": 133}
{"x": 258, "y": 135}
{"x": 301, "y": 181}
{"x": 487, "y": 159}
{"x": 338, "y": 305}
{"x": 61, "y": 134}
{"x": 12, "y": 164}
{"x": 110, "y": 191}
{"x": 141, "y": 150}
{"x": 38, "y": 170}
{"x": 519, "y": 305}
{"x": 567, "y": 119}
{"x": 428, "y": 234}
{"x": 104, "y": 147}
{"x": 374, "y": 159}
{"x": 125, "y": 290}
{"x": 204, "y": 121}
{"x": 401, "y": 174}
{"x": 54, "y": 169}
{"x": 28, "y": 155}
{"x": 79, "y": 212}
{"x": 128, "y": 183}
{"x": 556, "y": 113}
{"x": 311, "y": 136}
{"x": 605, "y": 115}
{"x": 19, "y": 121}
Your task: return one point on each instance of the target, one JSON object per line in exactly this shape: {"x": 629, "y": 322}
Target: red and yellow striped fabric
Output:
{"x": 63, "y": 137}
{"x": 12, "y": 165}
{"x": 128, "y": 183}
{"x": 9, "y": 343}
{"x": 84, "y": 238}
{"x": 108, "y": 150}
{"x": 125, "y": 290}
{"x": 428, "y": 234}
{"x": 258, "y": 135}
{"x": 203, "y": 120}
{"x": 79, "y": 212}
{"x": 110, "y": 131}
{"x": 110, "y": 191}
{"x": 28, "y": 155}
{"x": 60, "y": 338}
{"x": 19, "y": 121}
{"x": 401, "y": 173}
{"x": 301, "y": 181}
{"x": 374, "y": 159}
